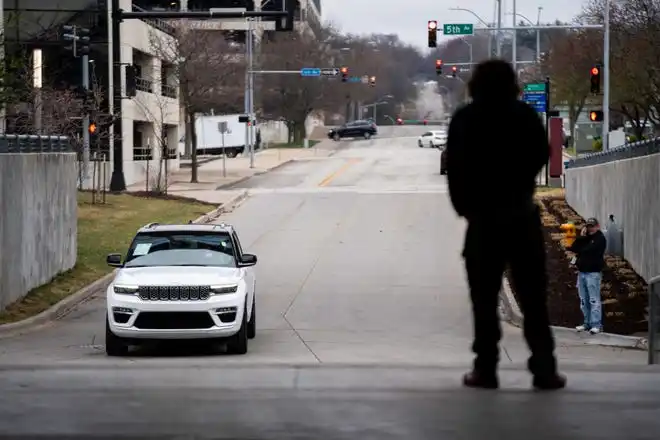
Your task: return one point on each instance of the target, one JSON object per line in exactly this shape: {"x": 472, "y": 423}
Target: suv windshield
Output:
{"x": 181, "y": 248}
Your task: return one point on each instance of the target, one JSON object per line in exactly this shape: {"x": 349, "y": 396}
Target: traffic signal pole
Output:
{"x": 85, "y": 127}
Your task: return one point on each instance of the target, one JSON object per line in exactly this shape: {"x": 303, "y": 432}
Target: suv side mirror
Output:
{"x": 113, "y": 260}
{"x": 248, "y": 260}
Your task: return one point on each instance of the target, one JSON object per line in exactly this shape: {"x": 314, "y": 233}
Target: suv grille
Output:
{"x": 174, "y": 293}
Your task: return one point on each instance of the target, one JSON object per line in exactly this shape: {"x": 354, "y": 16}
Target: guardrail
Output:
{"x": 25, "y": 143}
{"x": 654, "y": 321}
{"x": 627, "y": 151}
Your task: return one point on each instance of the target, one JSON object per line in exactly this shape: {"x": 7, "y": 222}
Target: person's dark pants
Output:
{"x": 492, "y": 244}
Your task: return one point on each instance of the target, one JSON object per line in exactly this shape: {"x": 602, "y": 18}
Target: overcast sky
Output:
{"x": 409, "y": 18}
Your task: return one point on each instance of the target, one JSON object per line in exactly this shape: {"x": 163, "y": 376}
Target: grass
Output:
{"x": 547, "y": 191}
{"x": 102, "y": 229}
{"x": 295, "y": 144}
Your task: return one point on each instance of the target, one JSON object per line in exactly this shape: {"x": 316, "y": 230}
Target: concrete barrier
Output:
{"x": 629, "y": 189}
{"x": 38, "y": 227}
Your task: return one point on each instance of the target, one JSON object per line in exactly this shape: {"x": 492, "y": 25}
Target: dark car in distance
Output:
{"x": 362, "y": 129}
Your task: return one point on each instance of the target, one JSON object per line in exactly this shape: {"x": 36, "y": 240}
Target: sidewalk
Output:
{"x": 211, "y": 179}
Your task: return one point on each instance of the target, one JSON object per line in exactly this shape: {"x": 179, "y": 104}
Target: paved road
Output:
{"x": 363, "y": 331}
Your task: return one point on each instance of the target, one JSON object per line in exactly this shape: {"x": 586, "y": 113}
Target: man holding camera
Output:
{"x": 589, "y": 248}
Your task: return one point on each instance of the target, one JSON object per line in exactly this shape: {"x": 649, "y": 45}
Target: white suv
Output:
{"x": 182, "y": 282}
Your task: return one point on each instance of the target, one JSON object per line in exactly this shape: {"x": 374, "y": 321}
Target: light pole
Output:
{"x": 471, "y": 52}
{"x": 482, "y": 21}
{"x": 382, "y": 100}
{"x": 538, "y": 31}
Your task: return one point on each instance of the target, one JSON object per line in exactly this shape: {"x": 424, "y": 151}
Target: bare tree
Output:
{"x": 207, "y": 69}
{"x": 159, "y": 109}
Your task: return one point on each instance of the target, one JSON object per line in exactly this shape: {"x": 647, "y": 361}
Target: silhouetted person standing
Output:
{"x": 496, "y": 147}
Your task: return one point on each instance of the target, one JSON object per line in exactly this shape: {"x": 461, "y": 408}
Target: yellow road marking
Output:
{"x": 332, "y": 176}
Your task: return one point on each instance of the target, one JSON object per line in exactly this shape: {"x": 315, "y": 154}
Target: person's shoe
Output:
{"x": 594, "y": 331}
{"x": 581, "y": 328}
{"x": 474, "y": 379}
{"x": 549, "y": 383}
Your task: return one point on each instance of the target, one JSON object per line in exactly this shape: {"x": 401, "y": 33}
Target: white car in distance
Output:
{"x": 433, "y": 139}
{"x": 182, "y": 282}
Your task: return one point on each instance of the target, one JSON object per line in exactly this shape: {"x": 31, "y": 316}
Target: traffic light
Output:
{"x": 438, "y": 67}
{"x": 596, "y": 116}
{"x": 399, "y": 121}
{"x": 454, "y": 69}
{"x": 433, "y": 33}
{"x": 92, "y": 128}
{"x": 595, "y": 79}
{"x": 344, "y": 74}
{"x": 372, "y": 81}
{"x": 79, "y": 38}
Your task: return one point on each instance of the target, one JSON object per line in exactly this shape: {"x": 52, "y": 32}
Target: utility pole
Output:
{"x": 251, "y": 90}
{"x": 498, "y": 43}
{"x": 606, "y": 76}
{"x": 514, "y": 43}
{"x": 538, "y": 36}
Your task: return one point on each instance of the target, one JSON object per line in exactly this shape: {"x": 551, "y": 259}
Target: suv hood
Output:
{"x": 177, "y": 276}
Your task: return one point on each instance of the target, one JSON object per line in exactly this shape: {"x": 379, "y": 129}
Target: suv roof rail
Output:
{"x": 151, "y": 225}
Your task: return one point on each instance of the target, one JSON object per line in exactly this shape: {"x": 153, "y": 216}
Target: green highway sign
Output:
{"x": 534, "y": 87}
{"x": 458, "y": 29}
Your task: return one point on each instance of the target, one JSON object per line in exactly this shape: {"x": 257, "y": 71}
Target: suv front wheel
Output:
{"x": 114, "y": 345}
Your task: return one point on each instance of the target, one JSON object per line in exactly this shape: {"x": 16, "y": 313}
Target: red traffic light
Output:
{"x": 453, "y": 68}
{"x": 92, "y": 128}
{"x": 596, "y": 115}
{"x": 595, "y": 71}
{"x": 433, "y": 24}
{"x": 438, "y": 62}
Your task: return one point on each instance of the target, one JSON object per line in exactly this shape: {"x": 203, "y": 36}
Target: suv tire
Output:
{"x": 238, "y": 344}
{"x": 252, "y": 323}
{"x": 114, "y": 345}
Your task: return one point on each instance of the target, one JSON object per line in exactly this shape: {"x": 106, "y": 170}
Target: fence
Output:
{"x": 627, "y": 151}
{"x": 20, "y": 143}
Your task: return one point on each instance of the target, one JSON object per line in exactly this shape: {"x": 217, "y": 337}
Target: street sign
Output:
{"x": 458, "y": 29}
{"x": 223, "y": 127}
{"x": 310, "y": 71}
{"x": 534, "y": 95}
{"x": 330, "y": 71}
{"x": 355, "y": 79}
{"x": 364, "y": 79}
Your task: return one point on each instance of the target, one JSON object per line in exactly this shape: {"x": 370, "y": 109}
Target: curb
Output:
{"x": 228, "y": 185}
{"x": 68, "y": 304}
{"x": 513, "y": 315}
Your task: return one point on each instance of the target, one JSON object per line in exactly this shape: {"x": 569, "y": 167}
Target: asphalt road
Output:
{"x": 363, "y": 332}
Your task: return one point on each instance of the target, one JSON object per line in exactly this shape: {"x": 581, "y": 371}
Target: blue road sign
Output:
{"x": 310, "y": 71}
{"x": 355, "y": 79}
{"x": 536, "y": 99}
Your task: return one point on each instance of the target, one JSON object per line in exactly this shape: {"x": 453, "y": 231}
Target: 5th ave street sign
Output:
{"x": 458, "y": 29}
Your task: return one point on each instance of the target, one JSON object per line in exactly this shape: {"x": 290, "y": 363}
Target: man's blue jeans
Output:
{"x": 590, "y": 303}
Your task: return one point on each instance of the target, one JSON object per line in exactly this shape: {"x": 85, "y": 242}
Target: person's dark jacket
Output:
{"x": 590, "y": 252}
{"x": 495, "y": 150}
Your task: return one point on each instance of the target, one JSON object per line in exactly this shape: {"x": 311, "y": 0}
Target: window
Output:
{"x": 182, "y": 248}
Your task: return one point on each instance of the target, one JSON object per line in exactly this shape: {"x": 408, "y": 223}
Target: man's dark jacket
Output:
{"x": 590, "y": 251}
{"x": 496, "y": 147}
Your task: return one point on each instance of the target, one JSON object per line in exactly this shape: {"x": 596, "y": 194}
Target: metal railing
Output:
{"x": 144, "y": 85}
{"x": 627, "y": 151}
{"x": 168, "y": 90}
{"x": 161, "y": 25}
{"x": 22, "y": 143}
{"x": 142, "y": 153}
{"x": 654, "y": 321}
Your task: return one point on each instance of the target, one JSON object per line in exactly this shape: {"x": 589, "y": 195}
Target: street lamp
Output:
{"x": 538, "y": 31}
{"x": 490, "y": 45}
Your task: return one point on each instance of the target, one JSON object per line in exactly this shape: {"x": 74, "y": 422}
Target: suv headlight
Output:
{"x": 125, "y": 290}
{"x": 223, "y": 290}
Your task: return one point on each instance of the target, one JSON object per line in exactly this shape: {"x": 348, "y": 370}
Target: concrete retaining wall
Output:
{"x": 38, "y": 226}
{"x": 629, "y": 189}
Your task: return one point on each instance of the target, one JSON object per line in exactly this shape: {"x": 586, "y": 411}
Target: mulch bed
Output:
{"x": 624, "y": 293}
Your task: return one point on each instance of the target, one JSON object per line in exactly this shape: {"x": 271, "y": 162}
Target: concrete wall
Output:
{"x": 38, "y": 226}
{"x": 629, "y": 189}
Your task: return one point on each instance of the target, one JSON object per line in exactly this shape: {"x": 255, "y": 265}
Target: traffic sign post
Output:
{"x": 458, "y": 29}
{"x": 535, "y": 94}
{"x": 330, "y": 71}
